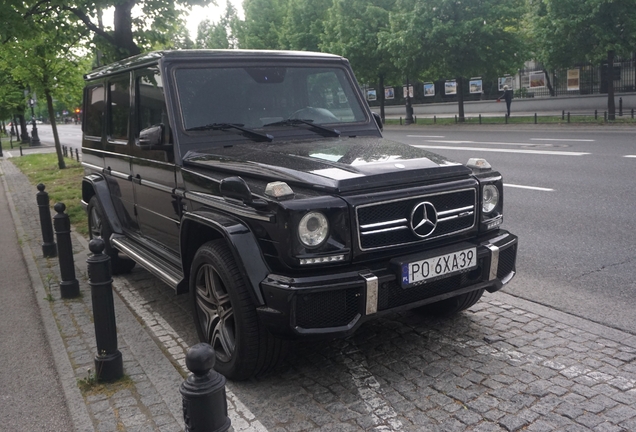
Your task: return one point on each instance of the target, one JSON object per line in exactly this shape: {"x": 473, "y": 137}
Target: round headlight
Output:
{"x": 313, "y": 229}
{"x": 490, "y": 198}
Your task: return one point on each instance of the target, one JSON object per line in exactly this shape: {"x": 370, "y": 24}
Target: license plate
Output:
{"x": 443, "y": 265}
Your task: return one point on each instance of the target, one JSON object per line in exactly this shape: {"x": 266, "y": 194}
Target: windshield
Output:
{"x": 253, "y": 97}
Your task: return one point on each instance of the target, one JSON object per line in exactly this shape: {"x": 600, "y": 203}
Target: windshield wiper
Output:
{"x": 256, "y": 136}
{"x": 295, "y": 122}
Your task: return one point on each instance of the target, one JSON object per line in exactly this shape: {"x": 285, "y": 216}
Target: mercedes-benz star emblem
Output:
{"x": 423, "y": 219}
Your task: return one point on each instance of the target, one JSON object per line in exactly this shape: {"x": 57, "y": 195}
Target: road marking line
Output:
{"x": 561, "y": 139}
{"x": 529, "y": 187}
{"x": 541, "y": 152}
{"x": 426, "y": 136}
{"x": 489, "y": 142}
{"x": 630, "y": 156}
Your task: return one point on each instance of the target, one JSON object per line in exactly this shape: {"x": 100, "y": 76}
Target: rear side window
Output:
{"x": 119, "y": 102}
{"x": 94, "y": 110}
{"x": 151, "y": 103}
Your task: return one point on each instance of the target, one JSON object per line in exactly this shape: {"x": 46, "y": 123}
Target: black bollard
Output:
{"x": 562, "y": 114}
{"x": 109, "y": 365}
{"x": 49, "y": 249}
{"x": 1, "y": 155}
{"x": 203, "y": 393}
{"x": 64, "y": 151}
{"x": 620, "y": 106}
{"x": 568, "y": 116}
{"x": 77, "y": 154}
{"x": 69, "y": 286}
{"x": 434, "y": 119}
{"x": 535, "y": 118}
{"x": 20, "y": 150}
{"x": 479, "y": 118}
{"x": 595, "y": 114}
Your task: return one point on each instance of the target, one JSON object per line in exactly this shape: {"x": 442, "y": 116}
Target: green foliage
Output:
{"x": 220, "y": 35}
{"x": 567, "y": 32}
{"x": 262, "y": 26}
{"x": 303, "y": 25}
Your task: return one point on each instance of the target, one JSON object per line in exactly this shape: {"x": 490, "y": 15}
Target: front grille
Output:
{"x": 324, "y": 309}
{"x": 387, "y": 224}
{"x": 507, "y": 258}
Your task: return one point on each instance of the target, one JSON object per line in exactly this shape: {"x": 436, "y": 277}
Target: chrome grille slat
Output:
{"x": 386, "y": 224}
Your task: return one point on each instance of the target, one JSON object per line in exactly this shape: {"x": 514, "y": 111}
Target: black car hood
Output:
{"x": 338, "y": 164}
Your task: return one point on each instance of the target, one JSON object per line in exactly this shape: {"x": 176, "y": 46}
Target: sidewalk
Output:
{"x": 148, "y": 399}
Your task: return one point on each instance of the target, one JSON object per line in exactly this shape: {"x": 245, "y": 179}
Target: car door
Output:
{"x": 117, "y": 149}
{"x": 153, "y": 167}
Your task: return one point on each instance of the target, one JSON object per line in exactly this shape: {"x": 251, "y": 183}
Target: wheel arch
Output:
{"x": 200, "y": 227}
{"x": 96, "y": 185}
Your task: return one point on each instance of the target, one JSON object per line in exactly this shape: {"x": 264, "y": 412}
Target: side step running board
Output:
{"x": 164, "y": 270}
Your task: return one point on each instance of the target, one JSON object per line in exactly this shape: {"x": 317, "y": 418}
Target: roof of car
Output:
{"x": 202, "y": 54}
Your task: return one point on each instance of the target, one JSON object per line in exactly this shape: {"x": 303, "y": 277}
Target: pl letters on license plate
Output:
{"x": 443, "y": 265}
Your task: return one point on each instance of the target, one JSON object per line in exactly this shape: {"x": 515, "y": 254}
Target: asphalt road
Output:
{"x": 570, "y": 196}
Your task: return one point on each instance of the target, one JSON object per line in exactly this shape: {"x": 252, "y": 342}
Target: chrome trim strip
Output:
{"x": 221, "y": 204}
{"x": 494, "y": 261}
{"x": 91, "y": 166}
{"x": 378, "y": 224}
{"x": 157, "y": 271}
{"x": 384, "y": 230}
{"x": 455, "y": 217}
{"x": 119, "y": 174}
{"x": 371, "y": 285}
{"x": 157, "y": 186}
{"x": 104, "y": 152}
{"x": 457, "y": 210}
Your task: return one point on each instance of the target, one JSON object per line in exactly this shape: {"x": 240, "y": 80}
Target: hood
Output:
{"x": 338, "y": 164}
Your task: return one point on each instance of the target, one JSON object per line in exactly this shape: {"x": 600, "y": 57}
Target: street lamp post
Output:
{"x": 35, "y": 140}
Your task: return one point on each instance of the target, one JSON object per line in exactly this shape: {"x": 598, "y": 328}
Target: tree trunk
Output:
{"x": 460, "y": 99}
{"x": 548, "y": 82}
{"x": 58, "y": 147}
{"x": 123, "y": 28}
{"x": 611, "y": 108}
{"x": 24, "y": 133}
{"x": 381, "y": 90}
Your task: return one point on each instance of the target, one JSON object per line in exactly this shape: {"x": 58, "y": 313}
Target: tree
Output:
{"x": 52, "y": 70}
{"x": 352, "y": 30}
{"x": 461, "y": 38}
{"x": 567, "y": 32}
{"x": 262, "y": 25}
{"x": 160, "y": 23}
{"x": 303, "y": 25}
{"x": 221, "y": 35}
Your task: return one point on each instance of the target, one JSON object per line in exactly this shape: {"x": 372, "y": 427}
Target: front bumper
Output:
{"x": 334, "y": 305}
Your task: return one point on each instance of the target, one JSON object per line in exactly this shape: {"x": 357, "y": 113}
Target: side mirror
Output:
{"x": 151, "y": 138}
{"x": 236, "y": 188}
{"x": 378, "y": 120}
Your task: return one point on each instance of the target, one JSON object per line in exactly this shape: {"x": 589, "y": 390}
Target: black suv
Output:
{"x": 259, "y": 182}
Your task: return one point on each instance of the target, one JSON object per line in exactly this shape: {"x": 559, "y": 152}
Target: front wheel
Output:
{"x": 452, "y": 305}
{"x": 225, "y": 316}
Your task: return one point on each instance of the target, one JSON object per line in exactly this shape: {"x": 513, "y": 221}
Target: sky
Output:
{"x": 213, "y": 13}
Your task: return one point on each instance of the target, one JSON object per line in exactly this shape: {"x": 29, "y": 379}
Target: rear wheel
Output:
{"x": 98, "y": 227}
{"x": 225, "y": 316}
{"x": 452, "y": 305}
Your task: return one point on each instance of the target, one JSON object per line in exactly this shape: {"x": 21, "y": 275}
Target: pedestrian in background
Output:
{"x": 507, "y": 96}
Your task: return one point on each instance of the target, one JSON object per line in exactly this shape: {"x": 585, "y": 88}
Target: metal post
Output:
{"x": 620, "y": 106}
{"x": 568, "y": 116}
{"x": 506, "y": 118}
{"x": 20, "y": 149}
{"x": 64, "y": 150}
{"x": 434, "y": 119}
{"x": 595, "y": 114}
{"x": 479, "y": 118}
{"x": 203, "y": 393}
{"x": 69, "y": 286}
{"x": 535, "y": 118}
{"x": 563, "y": 115}
{"x": 77, "y": 154}
{"x": 605, "y": 116}
{"x": 632, "y": 112}
{"x": 35, "y": 140}
{"x": 109, "y": 365}
{"x": 49, "y": 249}
{"x": 400, "y": 121}
{"x": 455, "y": 118}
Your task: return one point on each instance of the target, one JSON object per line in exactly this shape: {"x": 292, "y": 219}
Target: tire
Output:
{"x": 225, "y": 316}
{"x": 451, "y": 305}
{"x": 98, "y": 227}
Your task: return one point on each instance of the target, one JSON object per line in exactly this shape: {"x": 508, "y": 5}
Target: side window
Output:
{"x": 119, "y": 103}
{"x": 151, "y": 103}
{"x": 94, "y": 110}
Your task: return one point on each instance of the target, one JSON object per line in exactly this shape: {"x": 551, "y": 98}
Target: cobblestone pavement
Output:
{"x": 504, "y": 365}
